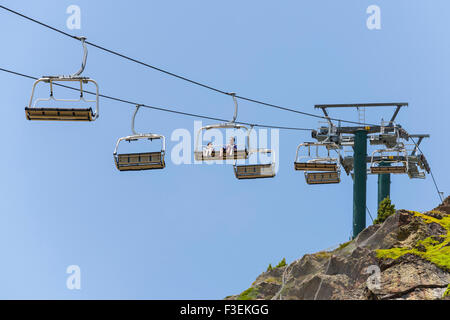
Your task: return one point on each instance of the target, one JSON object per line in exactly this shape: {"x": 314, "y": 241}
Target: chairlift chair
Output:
{"x": 220, "y": 153}
{"x": 417, "y": 163}
{"x": 346, "y": 159}
{"x": 318, "y": 169}
{"x": 140, "y": 161}
{"x": 413, "y": 168}
{"x": 326, "y": 134}
{"x": 33, "y": 112}
{"x": 256, "y": 171}
{"x": 389, "y": 160}
{"x": 388, "y": 138}
{"x": 423, "y": 163}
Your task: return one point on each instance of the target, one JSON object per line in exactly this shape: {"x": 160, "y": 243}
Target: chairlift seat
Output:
{"x": 59, "y": 114}
{"x": 140, "y": 161}
{"x": 237, "y": 155}
{"x": 322, "y": 177}
{"x": 315, "y": 166}
{"x": 388, "y": 169}
{"x": 254, "y": 171}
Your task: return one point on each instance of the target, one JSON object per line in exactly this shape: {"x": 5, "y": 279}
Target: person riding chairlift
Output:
{"x": 230, "y": 148}
{"x": 209, "y": 150}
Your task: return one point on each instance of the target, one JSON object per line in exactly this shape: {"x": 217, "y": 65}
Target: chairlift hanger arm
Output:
{"x": 134, "y": 118}
{"x": 233, "y": 95}
{"x": 83, "y": 62}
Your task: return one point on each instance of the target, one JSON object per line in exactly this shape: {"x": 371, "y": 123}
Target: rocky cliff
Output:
{"x": 405, "y": 257}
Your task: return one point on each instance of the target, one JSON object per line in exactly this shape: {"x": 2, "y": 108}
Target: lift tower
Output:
{"x": 359, "y": 166}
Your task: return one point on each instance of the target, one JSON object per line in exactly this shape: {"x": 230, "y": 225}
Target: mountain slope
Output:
{"x": 406, "y": 257}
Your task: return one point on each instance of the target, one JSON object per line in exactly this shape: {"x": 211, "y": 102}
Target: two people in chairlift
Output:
{"x": 229, "y": 149}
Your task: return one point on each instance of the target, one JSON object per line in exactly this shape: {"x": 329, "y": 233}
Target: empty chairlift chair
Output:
{"x": 256, "y": 171}
{"x": 417, "y": 163}
{"x": 390, "y": 160}
{"x": 143, "y": 160}
{"x": 220, "y": 152}
{"x": 414, "y": 165}
{"x": 389, "y": 135}
{"x": 34, "y": 112}
{"x": 318, "y": 169}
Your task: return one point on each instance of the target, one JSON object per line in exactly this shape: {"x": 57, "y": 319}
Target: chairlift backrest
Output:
{"x": 322, "y": 177}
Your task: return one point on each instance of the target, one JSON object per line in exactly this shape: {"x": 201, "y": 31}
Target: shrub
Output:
{"x": 282, "y": 263}
{"x": 385, "y": 210}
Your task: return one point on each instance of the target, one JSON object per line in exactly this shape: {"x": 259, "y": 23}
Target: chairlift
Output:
{"x": 423, "y": 163}
{"x": 318, "y": 169}
{"x": 220, "y": 152}
{"x": 389, "y": 160}
{"x": 326, "y": 134}
{"x": 413, "y": 168}
{"x": 256, "y": 171}
{"x": 417, "y": 163}
{"x": 346, "y": 159}
{"x": 390, "y": 138}
{"x": 140, "y": 161}
{"x": 34, "y": 112}
{"x": 417, "y": 166}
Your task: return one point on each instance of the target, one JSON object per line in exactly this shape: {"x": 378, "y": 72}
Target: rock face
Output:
{"x": 406, "y": 257}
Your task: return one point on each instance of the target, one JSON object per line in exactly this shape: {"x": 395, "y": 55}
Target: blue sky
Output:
{"x": 193, "y": 231}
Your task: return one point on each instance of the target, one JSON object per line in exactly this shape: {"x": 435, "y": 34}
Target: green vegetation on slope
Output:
{"x": 248, "y": 294}
{"x": 343, "y": 245}
{"x": 447, "y": 292}
{"x": 429, "y": 248}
